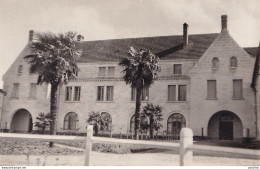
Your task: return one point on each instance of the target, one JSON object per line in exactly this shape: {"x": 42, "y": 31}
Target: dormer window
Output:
{"x": 20, "y": 69}
{"x": 215, "y": 63}
{"x": 233, "y": 61}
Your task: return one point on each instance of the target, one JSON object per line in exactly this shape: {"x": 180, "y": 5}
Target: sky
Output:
{"x": 115, "y": 19}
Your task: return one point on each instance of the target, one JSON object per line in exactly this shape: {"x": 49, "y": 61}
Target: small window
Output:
{"x": 172, "y": 93}
{"x": 111, "y": 71}
{"x": 237, "y": 89}
{"x": 144, "y": 95}
{"x": 32, "y": 93}
{"x": 20, "y": 69}
{"x": 100, "y": 93}
{"x": 77, "y": 93}
{"x": 215, "y": 63}
{"x": 68, "y": 93}
{"x": 102, "y": 71}
{"x": 110, "y": 91}
{"x": 71, "y": 121}
{"x": 212, "y": 89}
{"x": 233, "y": 61}
{"x": 15, "y": 93}
{"x": 177, "y": 68}
{"x": 182, "y": 93}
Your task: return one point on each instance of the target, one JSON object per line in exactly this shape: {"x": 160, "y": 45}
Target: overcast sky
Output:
{"x": 113, "y": 19}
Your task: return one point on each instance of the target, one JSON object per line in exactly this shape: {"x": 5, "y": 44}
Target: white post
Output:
{"x": 88, "y": 145}
{"x": 186, "y": 140}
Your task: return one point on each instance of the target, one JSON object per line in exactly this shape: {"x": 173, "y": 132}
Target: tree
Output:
{"x": 140, "y": 67}
{"x": 54, "y": 59}
{"x": 98, "y": 121}
{"x": 43, "y": 121}
{"x": 154, "y": 116}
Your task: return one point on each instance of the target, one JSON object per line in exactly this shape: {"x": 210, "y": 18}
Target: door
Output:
{"x": 225, "y": 130}
{"x": 176, "y": 128}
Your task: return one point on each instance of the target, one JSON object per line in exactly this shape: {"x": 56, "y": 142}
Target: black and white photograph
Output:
{"x": 129, "y": 83}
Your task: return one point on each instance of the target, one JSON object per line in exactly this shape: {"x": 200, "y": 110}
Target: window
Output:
{"x": 68, "y": 93}
{"x": 20, "y": 69}
{"x": 77, "y": 93}
{"x": 182, "y": 93}
{"x": 237, "y": 89}
{"x": 215, "y": 63}
{"x": 111, "y": 71}
{"x": 102, "y": 71}
{"x": 132, "y": 124}
{"x": 174, "y": 125}
{"x": 71, "y": 121}
{"x": 15, "y": 93}
{"x": 32, "y": 93}
{"x": 100, "y": 93}
{"x": 212, "y": 89}
{"x": 177, "y": 69}
{"x": 144, "y": 95}
{"x": 110, "y": 90}
{"x": 107, "y": 121}
{"x": 233, "y": 61}
{"x": 172, "y": 93}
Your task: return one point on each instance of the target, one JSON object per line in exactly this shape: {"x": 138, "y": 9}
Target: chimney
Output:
{"x": 30, "y": 35}
{"x": 224, "y": 22}
{"x": 80, "y": 38}
{"x": 185, "y": 34}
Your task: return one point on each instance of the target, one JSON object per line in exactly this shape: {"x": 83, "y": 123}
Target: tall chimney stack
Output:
{"x": 30, "y": 35}
{"x": 185, "y": 34}
{"x": 224, "y": 22}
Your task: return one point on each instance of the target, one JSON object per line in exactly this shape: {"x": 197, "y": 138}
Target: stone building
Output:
{"x": 204, "y": 83}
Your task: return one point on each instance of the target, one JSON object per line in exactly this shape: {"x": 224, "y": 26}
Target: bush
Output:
{"x": 111, "y": 148}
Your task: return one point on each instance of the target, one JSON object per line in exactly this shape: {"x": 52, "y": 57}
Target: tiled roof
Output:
{"x": 251, "y": 50}
{"x": 168, "y": 47}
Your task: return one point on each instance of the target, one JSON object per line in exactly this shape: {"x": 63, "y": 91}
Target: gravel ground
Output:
{"x": 108, "y": 159}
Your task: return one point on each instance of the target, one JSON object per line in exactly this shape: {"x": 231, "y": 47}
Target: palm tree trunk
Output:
{"x": 137, "y": 112}
{"x": 151, "y": 126}
{"x": 53, "y": 110}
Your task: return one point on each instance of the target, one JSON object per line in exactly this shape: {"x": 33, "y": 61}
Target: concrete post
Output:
{"x": 88, "y": 145}
{"x": 186, "y": 140}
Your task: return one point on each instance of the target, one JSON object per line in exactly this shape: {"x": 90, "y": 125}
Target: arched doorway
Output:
{"x": 225, "y": 125}
{"x": 22, "y": 122}
{"x": 71, "y": 121}
{"x": 175, "y": 123}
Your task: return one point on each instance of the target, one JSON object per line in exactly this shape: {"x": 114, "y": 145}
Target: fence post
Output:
{"x": 186, "y": 140}
{"x": 88, "y": 145}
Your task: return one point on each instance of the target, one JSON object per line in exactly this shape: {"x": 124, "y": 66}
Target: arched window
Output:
{"x": 132, "y": 124}
{"x": 107, "y": 121}
{"x": 174, "y": 125}
{"x": 215, "y": 63}
{"x": 233, "y": 61}
{"x": 71, "y": 121}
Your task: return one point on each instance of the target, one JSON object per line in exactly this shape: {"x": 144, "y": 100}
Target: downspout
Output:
{"x": 256, "y": 115}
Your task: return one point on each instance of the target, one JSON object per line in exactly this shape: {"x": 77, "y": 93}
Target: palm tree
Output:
{"x": 43, "y": 121}
{"x": 98, "y": 121}
{"x": 140, "y": 68}
{"x": 154, "y": 114}
{"x": 54, "y": 59}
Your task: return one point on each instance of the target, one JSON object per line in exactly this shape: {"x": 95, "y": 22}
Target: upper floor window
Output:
{"x": 100, "y": 93}
{"x": 171, "y": 92}
{"x": 177, "y": 69}
{"x": 110, "y": 92}
{"x": 32, "y": 93}
{"x": 102, "y": 71}
{"x": 15, "y": 92}
{"x": 182, "y": 93}
{"x": 144, "y": 95}
{"x": 237, "y": 89}
{"x": 111, "y": 71}
{"x": 215, "y": 63}
{"x": 212, "y": 89}
{"x": 77, "y": 93}
{"x": 70, "y": 92}
{"x": 20, "y": 69}
{"x": 233, "y": 61}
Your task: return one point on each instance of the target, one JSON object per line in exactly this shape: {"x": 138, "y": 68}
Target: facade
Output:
{"x": 204, "y": 83}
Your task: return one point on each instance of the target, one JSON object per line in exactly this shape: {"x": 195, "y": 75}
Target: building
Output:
{"x": 204, "y": 83}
